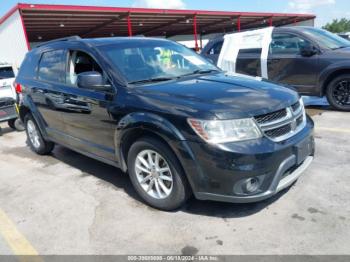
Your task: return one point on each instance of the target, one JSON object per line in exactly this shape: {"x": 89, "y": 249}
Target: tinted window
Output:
{"x": 51, "y": 67}
{"x": 249, "y": 62}
{"x": 29, "y": 65}
{"x": 6, "y": 72}
{"x": 216, "y": 48}
{"x": 287, "y": 44}
{"x": 80, "y": 62}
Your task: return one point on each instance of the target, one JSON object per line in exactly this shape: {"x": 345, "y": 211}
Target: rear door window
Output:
{"x": 6, "y": 72}
{"x": 249, "y": 62}
{"x": 52, "y": 66}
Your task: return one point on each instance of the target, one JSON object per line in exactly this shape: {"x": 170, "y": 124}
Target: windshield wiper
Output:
{"x": 340, "y": 47}
{"x": 201, "y": 71}
{"x": 151, "y": 80}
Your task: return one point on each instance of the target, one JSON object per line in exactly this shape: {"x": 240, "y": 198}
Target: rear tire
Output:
{"x": 154, "y": 162}
{"x": 35, "y": 139}
{"x": 338, "y": 92}
{"x": 16, "y": 124}
{"x": 11, "y": 123}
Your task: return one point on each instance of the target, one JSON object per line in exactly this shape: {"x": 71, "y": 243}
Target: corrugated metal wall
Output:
{"x": 13, "y": 45}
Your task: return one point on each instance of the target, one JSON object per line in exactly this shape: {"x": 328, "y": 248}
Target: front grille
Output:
{"x": 261, "y": 119}
{"x": 284, "y": 123}
{"x": 279, "y": 131}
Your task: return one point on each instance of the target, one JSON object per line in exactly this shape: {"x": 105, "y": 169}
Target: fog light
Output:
{"x": 251, "y": 185}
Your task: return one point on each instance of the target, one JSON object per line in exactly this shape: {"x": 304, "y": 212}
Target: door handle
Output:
{"x": 275, "y": 60}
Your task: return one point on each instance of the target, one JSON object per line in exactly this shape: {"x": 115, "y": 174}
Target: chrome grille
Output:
{"x": 279, "y": 131}
{"x": 271, "y": 116}
{"x": 283, "y": 124}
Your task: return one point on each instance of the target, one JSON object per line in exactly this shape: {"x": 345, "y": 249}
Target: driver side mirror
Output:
{"x": 92, "y": 80}
{"x": 308, "y": 50}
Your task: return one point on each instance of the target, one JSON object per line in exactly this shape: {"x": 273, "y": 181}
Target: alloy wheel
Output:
{"x": 33, "y": 134}
{"x": 341, "y": 93}
{"x": 154, "y": 174}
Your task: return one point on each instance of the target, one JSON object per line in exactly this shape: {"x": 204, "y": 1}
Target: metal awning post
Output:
{"x": 129, "y": 25}
{"x": 239, "y": 23}
{"x": 270, "y": 21}
{"x": 295, "y": 21}
{"x": 195, "y": 32}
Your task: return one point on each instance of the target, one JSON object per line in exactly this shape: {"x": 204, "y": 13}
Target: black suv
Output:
{"x": 175, "y": 122}
{"x": 314, "y": 61}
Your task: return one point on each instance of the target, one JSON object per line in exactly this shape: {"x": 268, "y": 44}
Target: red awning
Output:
{"x": 46, "y": 22}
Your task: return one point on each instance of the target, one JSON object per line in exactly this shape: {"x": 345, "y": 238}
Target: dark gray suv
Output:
{"x": 314, "y": 61}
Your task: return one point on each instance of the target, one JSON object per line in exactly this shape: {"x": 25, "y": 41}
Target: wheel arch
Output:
{"x": 329, "y": 76}
{"x": 27, "y": 106}
{"x": 136, "y": 125}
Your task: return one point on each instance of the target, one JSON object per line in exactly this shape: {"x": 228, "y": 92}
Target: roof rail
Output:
{"x": 68, "y": 38}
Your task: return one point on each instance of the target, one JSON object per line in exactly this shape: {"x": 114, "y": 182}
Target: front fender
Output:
{"x": 144, "y": 122}
{"x": 152, "y": 123}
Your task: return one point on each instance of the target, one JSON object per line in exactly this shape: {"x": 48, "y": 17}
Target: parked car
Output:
{"x": 8, "y": 97}
{"x": 178, "y": 126}
{"x": 345, "y": 35}
{"x": 314, "y": 61}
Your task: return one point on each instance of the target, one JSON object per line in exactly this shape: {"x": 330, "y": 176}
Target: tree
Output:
{"x": 338, "y": 26}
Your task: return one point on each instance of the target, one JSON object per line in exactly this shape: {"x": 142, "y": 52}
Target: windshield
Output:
{"x": 6, "y": 72}
{"x": 327, "y": 39}
{"x": 155, "y": 60}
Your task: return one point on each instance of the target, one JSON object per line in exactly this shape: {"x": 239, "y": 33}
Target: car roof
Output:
{"x": 293, "y": 28}
{"x": 99, "y": 41}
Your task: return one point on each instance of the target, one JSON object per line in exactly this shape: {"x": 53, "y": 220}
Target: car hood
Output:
{"x": 219, "y": 95}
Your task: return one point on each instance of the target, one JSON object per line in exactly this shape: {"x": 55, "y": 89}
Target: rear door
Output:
{"x": 86, "y": 114}
{"x": 46, "y": 90}
{"x": 286, "y": 64}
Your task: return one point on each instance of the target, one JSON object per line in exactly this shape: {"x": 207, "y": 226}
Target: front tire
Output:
{"x": 156, "y": 174}
{"x": 35, "y": 139}
{"x": 338, "y": 93}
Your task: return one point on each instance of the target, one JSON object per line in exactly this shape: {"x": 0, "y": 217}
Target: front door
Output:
{"x": 88, "y": 124}
{"x": 286, "y": 64}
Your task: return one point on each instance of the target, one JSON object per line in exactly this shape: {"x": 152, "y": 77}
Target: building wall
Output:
{"x": 13, "y": 45}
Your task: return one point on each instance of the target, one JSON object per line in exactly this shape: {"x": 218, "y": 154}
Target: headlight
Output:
{"x": 220, "y": 131}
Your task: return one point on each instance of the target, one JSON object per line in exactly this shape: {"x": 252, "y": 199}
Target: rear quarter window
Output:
{"x": 6, "y": 72}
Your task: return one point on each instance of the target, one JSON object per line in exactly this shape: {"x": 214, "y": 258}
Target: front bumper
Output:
{"x": 214, "y": 171}
{"x": 279, "y": 183}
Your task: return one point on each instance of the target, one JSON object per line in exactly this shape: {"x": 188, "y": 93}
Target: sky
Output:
{"x": 325, "y": 10}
